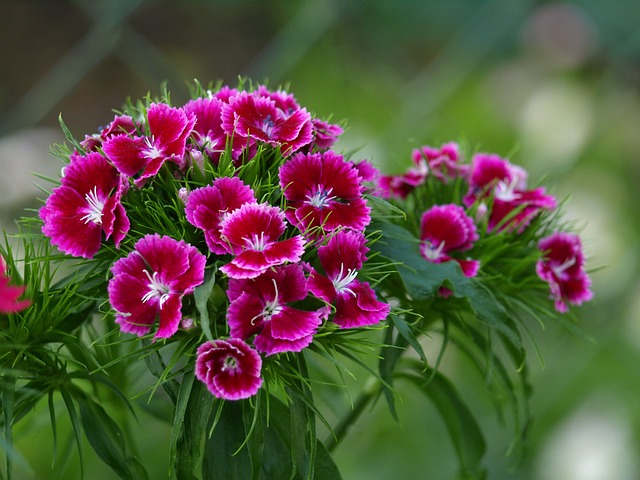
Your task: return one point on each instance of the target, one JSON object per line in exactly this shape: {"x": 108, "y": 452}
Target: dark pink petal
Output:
{"x": 269, "y": 345}
{"x": 244, "y": 315}
{"x": 63, "y": 215}
{"x": 9, "y": 294}
{"x": 487, "y": 169}
{"x": 121, "y": 125}
{"x": 295, "y": 132}
{"x": 470, "y": 268}
{"x": 289, "y": 250}
{"x": 325, "y": 134}
{"x": 359, "y": 307}
{"x": 170, "y": 317}
{"x": 293, "y": 324}
{"x": 126, "y": 153}
{"x": 285, "y": 101}
{"x": 345, "y": 251}
{"x": 169, "y": 127}
{"x": 322, "y": 287}
{"x": 125, "y": 295}
{"x": 252, "y": 224}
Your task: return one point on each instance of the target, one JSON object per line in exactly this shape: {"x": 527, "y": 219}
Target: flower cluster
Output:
{"x": 497, "y": 200}
{"x": 290, "y": 258}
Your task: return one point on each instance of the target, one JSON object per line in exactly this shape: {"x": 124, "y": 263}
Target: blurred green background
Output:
{"x": 553, "y": 85}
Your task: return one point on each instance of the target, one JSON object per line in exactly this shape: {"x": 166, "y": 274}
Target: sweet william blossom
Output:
{"x": 86, "y": 207}
{"x": 323, "y": 191}
{"x": 355, "y": 302}
{"x": 252, "y": 233}
{"x": 143, "y": 156}
{"x": 229, "y": 368}
{"x": 445, "y": 229}
{"x": 261, "y": 308}
{"x": 206, "y": 207}
{"x": 9, "y": 294}
{"x": 562, "y": 267}
{"x": 150, "y": 283}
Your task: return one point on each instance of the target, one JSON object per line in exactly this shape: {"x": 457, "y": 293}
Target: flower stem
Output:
{"x": 368, "y": 393}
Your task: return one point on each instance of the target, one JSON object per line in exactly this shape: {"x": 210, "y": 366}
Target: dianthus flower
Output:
{"x": 355, "y": 302}
{"x": 206, "y": 207}
{"x": 323, "y": 190}
{"x": 9, "y": 294}
{"x": 513, "y": 205}
{"x": 445, "y": 229}
{"x": 229, "y": 368}
{"x": 443, "y": 163}
{"x": 150, "y": 282}
{"x": 261, "y": 306}
{"x": 169, "y": 129}
{"x": 208, "y": 133}
{"x": 325, "y": 134}
{"x": 121, "y": 124}
{"x": 256, "y": 117}
{"x": 85, "y": 206}
{"x": 562, "y": 267}
{"x": 252, "y": 234}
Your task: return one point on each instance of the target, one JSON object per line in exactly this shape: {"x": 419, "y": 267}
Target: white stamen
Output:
{"x": 559, "y": 270}
{"x": 270, "y": 308}
{"x": 229, "y": 363}
{"x": 430, "y": 252}
{"x": 321, "y": 198}
{"x": 156, "y": 289}
{"x": 268, "y": 126}
{"x": 506, "y": 191}
{"x": 342, "y": 281}
{"x": 256, "y": 242}
{"x": 94, "y": 209}
{"x": 152, "y": 151}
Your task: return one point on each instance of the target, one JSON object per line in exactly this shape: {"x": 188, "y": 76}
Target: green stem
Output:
{"x": 368, "y": 393}
{"x": 8, "y": 399}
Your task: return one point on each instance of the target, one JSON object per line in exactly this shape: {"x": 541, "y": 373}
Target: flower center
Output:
{"x": 229, "y": 363}
{"x": 152, "y": 151}
{"x": 157, "y": 289}
{"x": 506, "y": 191}
{"x": 321, "y": 198}
{"x": 431, "y": 251}
{"x": 94, "y": 207}
{"x": 268, "y": 126}
{"x": 558, "y": 270}
{"x": 256, "y": 242}
{"x": 342, "y": 281}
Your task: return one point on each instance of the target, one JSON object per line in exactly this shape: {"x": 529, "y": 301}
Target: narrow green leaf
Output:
{"x": 201, "y": 295}
{"x": 69, "y": 136}
{"x": 107, "y": 440}
{"x": 464, "y": 431}
{"x": 222, "y": 460}
{"x": 75, "y": 424}
{"x": 255, "y": 431}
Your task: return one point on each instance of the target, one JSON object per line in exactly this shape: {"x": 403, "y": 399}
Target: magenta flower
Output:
{"x": 206, "y": 207}
{"x": 169, "y": 129}
{"x": 443, "y": 163}
{"x": 513, "y": 206}
{"x": 445, "y": 229}
{"x": 121, "y": 125}
{"x": 562, "y": 267}
{"x": 208, "y": 133}
{"x": 252, "y": 233}
{"x": 9, "y": 294}
{"x": 325, "y": 134}
{"x": 261, "y": 306}
{"x": 254, "y": 117}
{"x": 355, "y": 301}
{"x": 323, "y": 190}
{"x": 150, "y": 282}
{"x": 86, "y": 206}
{"x": 229, "y": 368}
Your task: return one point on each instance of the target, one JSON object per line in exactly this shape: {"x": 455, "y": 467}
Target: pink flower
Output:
{"x": 252, "y": 233}
{"x": 513, "y": 205}
{"x": 254, "y": 117}
{"x": 208, "y": 133}
{"x": 169, "y": 129}
{"x": 85, "y": 206}
{"x": 206, "y": 207}
{"x": 445, "y": 229}
{"x": 261, "y": 306}
{"x": 325, "y": 134}
{"x": 121, "y": 125}
{"x": 443, "y": 163}
{"x": 562, "y": 267}
{"x": 229, "y": 368}
{"x": 150, "y": 282}
{"x": 9, "y": 294}
{"x": 323, "y": 191}
{"x": 355, "y": 301}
